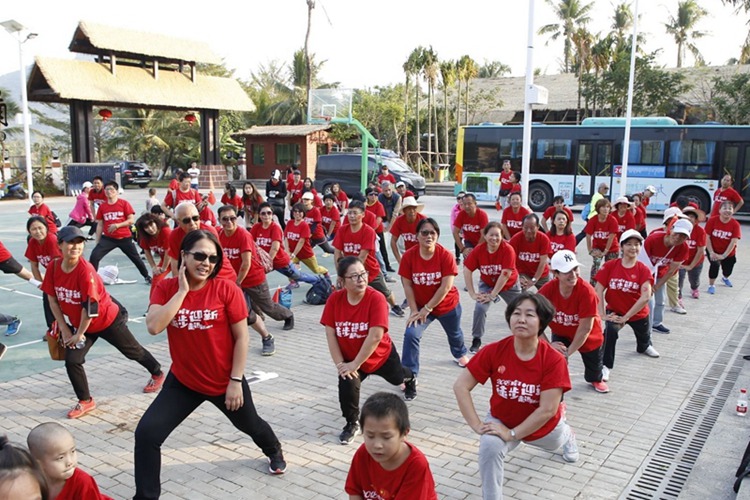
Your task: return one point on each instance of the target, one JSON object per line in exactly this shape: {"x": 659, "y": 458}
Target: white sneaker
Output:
{"x": 678, "y": 309}
{"x": 605, "y": 374}
{"x": 570, "y": 449}
{"x": 651, "y": 352}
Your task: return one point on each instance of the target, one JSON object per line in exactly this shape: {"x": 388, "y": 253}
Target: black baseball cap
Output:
{"x": 70, "y": 233}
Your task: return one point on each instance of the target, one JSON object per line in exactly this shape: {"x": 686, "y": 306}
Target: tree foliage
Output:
{"x": 731, "y": 99}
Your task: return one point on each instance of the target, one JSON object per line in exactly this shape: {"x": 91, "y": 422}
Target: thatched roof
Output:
{"x": 563, "y": 90}
{"x": 93, "y": 38}
{"x": 62, "y": 80}
{"x": 280, "y": 130}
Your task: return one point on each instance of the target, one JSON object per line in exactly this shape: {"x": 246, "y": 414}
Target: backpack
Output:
{"x": 319, "y": 291}
{"x": 585, "y": 211}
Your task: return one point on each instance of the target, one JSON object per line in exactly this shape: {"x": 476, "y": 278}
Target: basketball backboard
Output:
{"x": 329, "y": 106}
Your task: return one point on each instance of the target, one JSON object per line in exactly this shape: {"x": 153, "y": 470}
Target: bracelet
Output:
{"x": 236, "y": 379}
{"x": 428, "y": 308}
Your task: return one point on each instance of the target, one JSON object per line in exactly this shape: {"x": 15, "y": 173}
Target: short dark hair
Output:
{"x": 183, "y": 176}
{"x": 15, "y": 460}
{"x": 227, "y": 208}
{"x": 469, "y": 196}
{"x": 428, "y": 220}
{"x": 601, "y": 203}
{"x": 263, "y": 205}
{"x": 545, "y": 311}
{"x": 516, "y": 174}
{"x": 299, "y": 207}
{"x": 515, "y": 193}
{"x": 531, "y": 216}
{"x": 36, "y": 218}
{"x": 39, "y": 193}
{"x": 112, "y": 184}
{"x": 98, "y": 178}
{"x": 383, "y": 405}
{"x": 146, "y": 219}
{"x": 490, "y": 225}
{"x": 557, "y": 199}
{"x": 193, "y": 237}
{"x": 682, "y": 201}
{"x": 357, "y": 204}
{"x": 329, "y": 196}
{"x": 344, "y": 264}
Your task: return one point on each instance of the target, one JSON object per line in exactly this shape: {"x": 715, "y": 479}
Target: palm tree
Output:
{"x": 622, "y": 21}
{"x": 468, "y": 69}
{"x": 448, "y": 75}
{"x": 583, "y": 40}
{"x": 572, "y": 14}
{"x": 308, "y": 67}
{"x": 682, "y": 28}
{"x": 430, "y": 71}
{"x": 493, "y": 69}
{"x": 415, "y": 63}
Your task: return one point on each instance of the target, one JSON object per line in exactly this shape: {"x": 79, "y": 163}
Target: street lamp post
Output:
{"x": 15, "y": 28}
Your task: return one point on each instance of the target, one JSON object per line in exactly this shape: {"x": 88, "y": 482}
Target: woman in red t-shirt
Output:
{"x": 230, "y": 197}
{"x": 331, "y": 216}
{"x": 206, "y": 323}
{"x": 558, "y": 204}
{"x": 726, "y": 193}
{"x": 639, "y": 214}
{"x": 723, "y": 233}
{"x": 601, "y": 236}
{"x": 623, "y": 215}
{"x": 41, "y": 209}
{"x": 501, "y": 202}
{"x": 693, "y": 265}
{"x": 624, "y": 288}
{"x": 85, "y": 312}
{"x": 512, "y": 218}
{"x": 297, "y": 235}
{"x": 356, "y": 322}
{"x": 41, "y": 250}
{"x": 527, "y": 379}
{"x": 498, "y": 278}
{"x": 153, "y": 237}
{"x": 561, "y": 235}
{"x": 427, "y": 273}
{"x": 251, "y": 200}
{"x": 342, "y": 200}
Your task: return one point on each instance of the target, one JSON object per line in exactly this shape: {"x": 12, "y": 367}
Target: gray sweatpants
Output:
{"x": 480, "y": 310}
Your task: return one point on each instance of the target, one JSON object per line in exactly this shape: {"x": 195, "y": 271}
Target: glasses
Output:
{"x": 459, "y": 198}
{"x": 200, "y": 257}
{"x": 187, "y": 220}
{"x": 358, "y": 277}
{"x": 266, "y": 213}
{"x": 372, "y": 194}
{"x": 427, "y": 232}
{"x": 229, "y": 218}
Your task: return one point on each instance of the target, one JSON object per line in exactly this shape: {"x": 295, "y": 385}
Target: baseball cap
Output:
{"x": 683, "y": 226}
{"x": 650, "y": 188}
{"x": 70, "y": 233}
{"x": 564, "y": 261}
{"x": 297, "y": 172}
{"x": 86, "y": 184}
{"x": 672, "y": 212}
{"x": 630, "y": 233}
{"x": 400, "y": 184}
{"x": 308, "y": 196}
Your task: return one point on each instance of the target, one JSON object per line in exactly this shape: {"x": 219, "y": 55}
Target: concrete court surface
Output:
{"x": 620, "y": 434}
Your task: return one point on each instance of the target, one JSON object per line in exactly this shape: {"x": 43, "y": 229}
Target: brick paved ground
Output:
{"x": 206, "y": 458}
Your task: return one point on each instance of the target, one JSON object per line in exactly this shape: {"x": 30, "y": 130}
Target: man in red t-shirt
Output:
{"x": 113, "y": 221}
{"x": 240, "y": 250}
{"x": 314, "y": 219}
{"x": 294, "y": 190}
{"x": 96, "y": 197}
{"x": 373, "y": 205}
{"x": 532, "y": 254}
{"x": 469, "y": 222}
{"x": 402, "y": 191}
{"x": 183, "y": 193}
{"x": 358, "y": 240}
{"x": 405, "y": 226}
{"x": 558, "y": 203}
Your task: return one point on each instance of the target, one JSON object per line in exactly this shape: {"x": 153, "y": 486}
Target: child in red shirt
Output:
{"x": 387, "y": 466}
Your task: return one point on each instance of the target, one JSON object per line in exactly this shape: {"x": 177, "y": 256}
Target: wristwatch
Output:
{"x": 513, "y": 435}
{"x": 533, "y": 280}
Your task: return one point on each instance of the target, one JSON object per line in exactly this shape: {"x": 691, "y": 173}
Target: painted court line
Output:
{"x": 20, "y": 292}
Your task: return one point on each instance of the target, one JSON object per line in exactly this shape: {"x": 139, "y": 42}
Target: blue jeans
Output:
{"x": 293, "y": 273}
{"x": 656, "y": 306}
{"x": 451, "y": 323}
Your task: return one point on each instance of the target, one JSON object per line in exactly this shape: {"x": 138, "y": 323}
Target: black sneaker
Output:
{"x": 276, "y": 464}
{"x": 410, "y": 392}
{"x": 475, "y": 345}
{"x": 269, "y": 346}
{"x": 396, "y": 309}
{"x": 148, "y": 279}
{"x": 289, "y": 323}
{"x": 3, "y": 349}
{"x": 351, "y": 430}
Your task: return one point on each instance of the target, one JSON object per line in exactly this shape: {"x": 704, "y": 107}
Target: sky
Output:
{"x": 363, "y": 44}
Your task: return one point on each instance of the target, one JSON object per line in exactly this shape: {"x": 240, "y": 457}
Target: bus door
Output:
{"x": 736, "y": 162}
{"x": 593, "y": 167}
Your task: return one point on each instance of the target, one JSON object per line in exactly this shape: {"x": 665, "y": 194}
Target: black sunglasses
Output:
{"x": 228, "y": 218}
{"x": 266, "y": 213}
{"x": 200, "y": 257}
{"x": 194, "y": 218}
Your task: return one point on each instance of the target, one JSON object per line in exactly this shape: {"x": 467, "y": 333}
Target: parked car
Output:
{"x": 134, "y": 173}
{"x": 345, "y": 168}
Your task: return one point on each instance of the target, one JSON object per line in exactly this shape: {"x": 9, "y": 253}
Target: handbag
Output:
{"x": 54, "y": 343}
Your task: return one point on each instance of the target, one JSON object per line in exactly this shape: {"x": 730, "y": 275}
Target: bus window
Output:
{"x": 646, "y": 152}
{"x": 481, "y": 152}
{"x": 691, "y": 159}
{"x": 511, "y": 149}
{"x": 554, "y": 156}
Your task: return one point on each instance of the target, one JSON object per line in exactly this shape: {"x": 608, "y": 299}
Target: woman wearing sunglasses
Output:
{"x": 427, "y": 274}
{"x": 205, "y": 319}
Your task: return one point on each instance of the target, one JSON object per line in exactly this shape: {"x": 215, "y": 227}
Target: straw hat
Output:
{"x": 410, "y": 201}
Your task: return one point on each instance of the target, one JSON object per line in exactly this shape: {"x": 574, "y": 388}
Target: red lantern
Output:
{"x": 105, "y": 114}
{"x": 190, "y": 118}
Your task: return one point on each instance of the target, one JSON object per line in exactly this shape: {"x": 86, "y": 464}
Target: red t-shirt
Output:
{"x": 697, "y": 239}
{"x": 44, "y": 211}
{"x": 4, "y": 253}
{"x": 600, "y": 232}
{"x": 659, "y": 253}
{"x": 264, "y": 237}
{"x": 623, "y": 286}
{"x": 505, "y": 182}
{"x": 402, "y": 227}
{"x": 158, "y": 245}
{"x": 640, "y": 217}
{"x": 550, "y": 212}
{"x": 386, "y": 177}
{"x": 294, "y": 233}
{"x": 624, "y": 223}
{"x": 201, "y": 343}
{"x": 426, "y": 277}
{"x": 342, "y": 201}
{"x": 174, "y": 198}
{"x": 175, "y": 242}
{"x": 328, "y": 216}
{"x": 234, "y": 246}
{"x": 412, "y": 480}
{"x": 582, "y": 303}
{"x": 559, "y": 242}
{"x": 115, "y": 213}
{"x": 529, "y": 253}
{"x": 174, "y": 184}
{"x": 722, "y": 195}
{"x": 351, "y": 243}
{"x": 353, "y": 323}
{"x": 491, "y": 265}
{"x": 378, "y": 210}
{"x": 517, "y": 385}
{"x": 236, "y": 202}
{"x": 81, "y": 486}
{"x": 368, "y": 219}
{"x": 313, "y": 216}
{"x": 514, "y": 221}
{"x": 645, "y": 201}
{"x": 97, "y": 197}
{"x": 471, "y": 227}
{"x": 295, "y": 190}
{"x": 207, "y": 216}
{"x": 43, "y": 253}
{"x": 75, "y": 288}
{"x": 721, "y": 234}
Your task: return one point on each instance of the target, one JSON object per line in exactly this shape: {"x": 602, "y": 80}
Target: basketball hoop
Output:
{"x": 323, "y": 117}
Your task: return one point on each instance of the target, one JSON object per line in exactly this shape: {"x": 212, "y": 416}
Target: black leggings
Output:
{"x": 641, "y": 329}
{"x": 174, "y": 403}
{"x": 592, "y": 360}
{"x": 383, "y": 250}
{"x": 727, "y": 266}
{"x": 126, "y": 245}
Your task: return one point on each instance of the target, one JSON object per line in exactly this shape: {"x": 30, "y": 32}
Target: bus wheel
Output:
{"x": 540, "y": 196}
{"x": 697, "y": 196}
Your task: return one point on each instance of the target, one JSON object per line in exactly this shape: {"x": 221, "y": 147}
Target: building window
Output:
{"x": 259, "y": 154}
{"x": 287, "y": 154}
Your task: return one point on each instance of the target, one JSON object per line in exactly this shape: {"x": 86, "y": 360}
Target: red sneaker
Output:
{"x": 82, "y": 408}
{"x": 600, "y": 386}
{"x": 154, "y": 383}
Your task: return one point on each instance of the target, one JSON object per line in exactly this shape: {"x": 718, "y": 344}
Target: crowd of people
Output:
{"x": 207, "y": 274}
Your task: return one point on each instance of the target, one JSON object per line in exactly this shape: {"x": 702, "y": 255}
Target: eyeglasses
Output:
{"x": 200, "y": 257}
{"x": 229, "y": 218}
{"x": 266, "y": 212}
{"x": 427, "y": 232}
{"x": 187, "y": 220}
{"x": 358, "y": 277}
{"x": 459, "y": 198}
